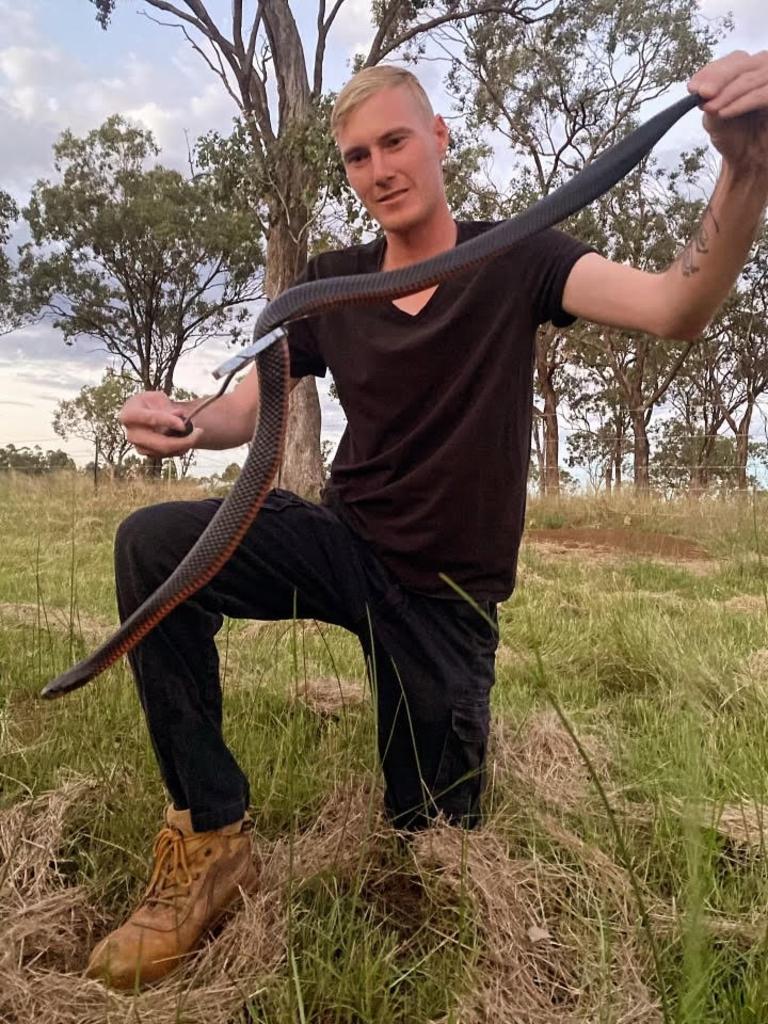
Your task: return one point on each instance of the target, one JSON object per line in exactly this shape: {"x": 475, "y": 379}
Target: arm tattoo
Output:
{"x": 698, "y": 245}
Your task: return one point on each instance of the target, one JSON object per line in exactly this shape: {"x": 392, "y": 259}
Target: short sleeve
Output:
{"x": 552, "y": 256}
{"x": 303, "y": 348}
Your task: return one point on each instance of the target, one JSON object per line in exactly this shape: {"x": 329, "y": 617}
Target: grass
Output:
{"x": 661, "y": 670}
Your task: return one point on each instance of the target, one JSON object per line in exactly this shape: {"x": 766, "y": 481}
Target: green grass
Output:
{"x": 659, "y": 670}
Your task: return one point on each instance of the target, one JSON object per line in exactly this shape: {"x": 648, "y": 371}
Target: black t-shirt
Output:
{"x": 431, "y": 470}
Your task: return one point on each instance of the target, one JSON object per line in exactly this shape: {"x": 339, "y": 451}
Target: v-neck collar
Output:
{"x": 401, "y": 314}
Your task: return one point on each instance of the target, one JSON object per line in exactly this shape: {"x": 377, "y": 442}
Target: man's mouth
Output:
{"x": 392, "y": 195}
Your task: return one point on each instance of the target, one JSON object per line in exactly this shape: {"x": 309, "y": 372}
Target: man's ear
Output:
{"x": 441, "y": 134}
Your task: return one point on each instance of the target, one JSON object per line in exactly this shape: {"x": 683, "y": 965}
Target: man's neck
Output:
{"x": 405, "y": 248}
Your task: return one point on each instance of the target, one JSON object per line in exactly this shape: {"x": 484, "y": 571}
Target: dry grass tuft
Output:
{"x": 744, "y": 825}
{"x": 349, "y": 821}
{"x": 46, "y": 922}
{"x": 48, "y": 927}
{"x": 749, "y": 604}
{"x": 329, "y": 696}
{"x": 541, "y": 957}
{"x": 543, "y": 759}
{"x": 755, "y": 666}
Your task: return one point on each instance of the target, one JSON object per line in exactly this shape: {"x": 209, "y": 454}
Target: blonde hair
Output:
{"x": 365, "y": 83}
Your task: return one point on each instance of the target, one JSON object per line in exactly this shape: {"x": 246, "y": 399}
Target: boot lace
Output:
{"x": 171, "y": 876}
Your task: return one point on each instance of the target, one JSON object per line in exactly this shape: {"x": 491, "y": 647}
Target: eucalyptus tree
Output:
{"x": 34, "y": 460}
{"x": 277, "y": 83}
{"x": 600, "y": 438}
{"x": 8, "y": 214}
{"x": 742, "y": 354}
{"x": 138, "y": 258}
{"x": 93, "y": 416}
{"x": 695, "y": 417}
{"x": 560, "y": 91}
{"x": 645, "y": 221}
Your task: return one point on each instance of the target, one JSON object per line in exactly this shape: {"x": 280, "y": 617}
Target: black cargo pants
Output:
{"x": 430, "y": 660}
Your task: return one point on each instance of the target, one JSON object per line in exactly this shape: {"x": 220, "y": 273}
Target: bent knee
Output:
{"x": 161, "y": 534}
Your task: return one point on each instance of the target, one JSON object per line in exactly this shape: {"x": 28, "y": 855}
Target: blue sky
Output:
{"x": 59, "y": 69}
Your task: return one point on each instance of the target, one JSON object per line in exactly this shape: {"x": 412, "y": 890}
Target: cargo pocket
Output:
{"x": 463, "y": 769}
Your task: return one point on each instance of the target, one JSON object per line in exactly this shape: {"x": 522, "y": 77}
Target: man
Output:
{"x": 427, "y": 489}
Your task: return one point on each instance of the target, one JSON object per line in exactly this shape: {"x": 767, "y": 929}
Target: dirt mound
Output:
{"x": 636, "y": 542}
{"x": 330, "y": 697}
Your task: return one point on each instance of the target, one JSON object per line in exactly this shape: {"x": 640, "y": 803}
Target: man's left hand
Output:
{"x": 735, "y": 94}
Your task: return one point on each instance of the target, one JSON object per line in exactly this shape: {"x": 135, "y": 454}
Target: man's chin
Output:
{"x": 394, "y": 221}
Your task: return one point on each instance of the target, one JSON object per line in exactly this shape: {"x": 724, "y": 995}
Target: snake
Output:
{"x": 235, "y": 515}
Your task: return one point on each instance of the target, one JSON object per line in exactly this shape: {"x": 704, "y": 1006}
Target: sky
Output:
{"x": 59, "y": 69}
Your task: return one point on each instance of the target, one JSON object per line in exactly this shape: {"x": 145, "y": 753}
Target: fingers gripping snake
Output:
{"x": 236, "y": 514}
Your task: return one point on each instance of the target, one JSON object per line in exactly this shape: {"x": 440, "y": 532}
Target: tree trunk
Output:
{"x": 551, "y": 444}
{"x": 618, "y": 454}
{"x": 742, "y": 448}
{"x": 700, "y": 472}
{"x": 698, "y": 479}
{"x": 642, "y": 453}
{"x": 301, "y": 470}
{"x": 546, "y": 366}
{"x": 538, "y": 449}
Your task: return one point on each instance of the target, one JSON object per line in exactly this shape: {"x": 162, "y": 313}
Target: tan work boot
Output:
{"x": 196, "y": 878}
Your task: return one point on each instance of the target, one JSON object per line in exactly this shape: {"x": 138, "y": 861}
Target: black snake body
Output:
{"x": 233, "y": 518}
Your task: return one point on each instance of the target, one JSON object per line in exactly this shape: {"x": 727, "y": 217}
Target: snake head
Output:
{"x": 188, "y": 428}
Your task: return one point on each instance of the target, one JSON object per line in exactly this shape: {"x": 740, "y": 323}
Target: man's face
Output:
{"x": 392, "y": 152}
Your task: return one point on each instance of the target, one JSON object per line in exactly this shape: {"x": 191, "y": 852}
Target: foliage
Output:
{"x": 677, "y": 460}
{"x": 137, "y": 257}
{"x": 34, "y": 460}
{"x": 93, "y": 416}
{"x": 558, "y": 92}
{"x": 8, "y": 214}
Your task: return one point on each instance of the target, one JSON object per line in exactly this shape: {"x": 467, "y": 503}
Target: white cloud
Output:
{"x": 750, "y": 21}
{"x": 18, "y": 23}
{"x": 45, "y": 89}
{"x": 353, "y": 23}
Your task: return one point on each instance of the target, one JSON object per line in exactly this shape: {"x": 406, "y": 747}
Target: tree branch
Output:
{"x": 237, "y": 28}
{"x": 670, "y": 376}
{"x": 288, "y": 56}
{"x": 220, "y": 71}
{"x": 323, "y": 28}
{"x": 380, "y": 49}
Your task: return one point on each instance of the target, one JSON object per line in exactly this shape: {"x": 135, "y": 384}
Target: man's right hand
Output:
{"x": 147, "y": 419}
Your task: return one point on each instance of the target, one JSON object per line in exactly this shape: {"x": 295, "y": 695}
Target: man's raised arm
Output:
{"x": 680, "y": 302}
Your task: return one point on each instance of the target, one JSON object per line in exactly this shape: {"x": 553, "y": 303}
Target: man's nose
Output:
{"x": 380, "y": 165}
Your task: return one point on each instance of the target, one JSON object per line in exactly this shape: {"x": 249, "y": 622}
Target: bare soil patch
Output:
{"x": 25, "y": 614}
{"x": 636, "y": 542}
{"x": 749, "y": 604}
{"x": 330, "y": 697}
